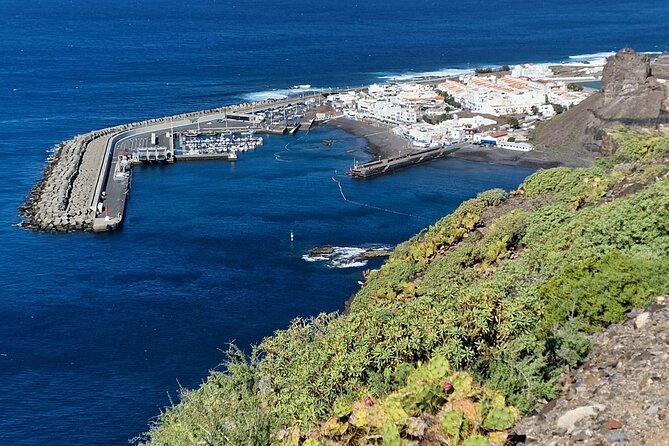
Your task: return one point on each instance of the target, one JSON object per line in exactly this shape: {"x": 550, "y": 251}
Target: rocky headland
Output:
{"x": 631, "y": 95}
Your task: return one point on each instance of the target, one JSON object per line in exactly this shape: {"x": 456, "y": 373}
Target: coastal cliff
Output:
{"x": 630, "y": 96}
{"x": 466, "y": 327}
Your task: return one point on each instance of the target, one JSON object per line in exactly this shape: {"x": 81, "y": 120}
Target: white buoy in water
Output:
{"x": 292, "y": 236}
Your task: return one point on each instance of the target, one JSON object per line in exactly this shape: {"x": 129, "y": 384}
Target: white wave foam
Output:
{"x": 260, "y": 96}
{"x": 600, "y": 58}
{"x": 348, "y": 264}
{"x": 344, "y": 256}
{"x": 446, "y": 72}
{"x": 308, "y": 258}
{"x": 591, "y": 57}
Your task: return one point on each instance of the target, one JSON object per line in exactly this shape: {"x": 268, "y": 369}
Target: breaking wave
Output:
{"x": 591, "y": 57}
{"x": 260, "y": 96}
{"x": 423, "y": 74}
{"x": 344, "y": 256}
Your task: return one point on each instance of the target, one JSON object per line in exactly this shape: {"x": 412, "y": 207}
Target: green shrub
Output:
{"x": 598, "y": 292}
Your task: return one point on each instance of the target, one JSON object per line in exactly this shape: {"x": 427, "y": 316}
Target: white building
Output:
{"x": 456, "y": 89}
{"x": 417, "y": 93}
{"x": 444, "y": 133}
{"x": 344, "y": 99}
{"x": 547, "y": 111}
{"x": 393, "y": 112}
{"x": 566, "y": 98}
{"x": 533, "y": 71}
{"x": 520, "y": 93}
{"x": 503, "y": 96}
{"x": 520, "y": 146}
{"x": 376, "y": 90}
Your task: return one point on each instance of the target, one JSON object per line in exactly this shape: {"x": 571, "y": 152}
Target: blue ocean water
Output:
{"x": 95, "y": 330}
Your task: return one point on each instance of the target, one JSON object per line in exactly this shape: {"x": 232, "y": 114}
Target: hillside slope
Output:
{"x": 619, "y": 395}
{"x": 508, "y": 288}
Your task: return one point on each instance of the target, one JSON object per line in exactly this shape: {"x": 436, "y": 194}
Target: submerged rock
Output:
{"x": 347, "y": 256}
{"x": 320, "y": 251}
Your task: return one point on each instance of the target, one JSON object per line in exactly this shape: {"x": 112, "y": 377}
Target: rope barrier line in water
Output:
{"x": 357, "y": 203}
{"x": 277, "y": 155}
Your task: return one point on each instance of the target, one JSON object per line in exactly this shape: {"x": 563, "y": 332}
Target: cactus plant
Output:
{"x": 454, "y": 423}
{"x": 390, "y": 434}
{"x": 476, "y": 440}
{"x": 499, "y": 418}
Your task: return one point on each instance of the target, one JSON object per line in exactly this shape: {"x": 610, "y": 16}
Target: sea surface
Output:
{"x": 97, "y": 332}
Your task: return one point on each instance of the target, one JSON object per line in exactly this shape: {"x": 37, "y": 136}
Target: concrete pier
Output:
{"x": 387, "y": 165}
{"x": 272, "y": 131}
{"x": 208, "y": 156}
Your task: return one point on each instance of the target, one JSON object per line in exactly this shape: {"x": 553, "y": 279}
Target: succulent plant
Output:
{"x": 390, "y": 434}
{"x": 476, "y": 440}
{"x": 499, "y": 418}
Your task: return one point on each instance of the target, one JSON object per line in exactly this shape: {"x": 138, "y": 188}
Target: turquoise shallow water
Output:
{"x": 95, "y": 330}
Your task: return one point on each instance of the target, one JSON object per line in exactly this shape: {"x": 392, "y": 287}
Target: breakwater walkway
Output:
{"x": 70, "y": 197}
{"x": 387, "y": 165}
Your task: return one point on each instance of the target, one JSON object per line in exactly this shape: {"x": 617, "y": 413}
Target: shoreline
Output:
{"x": 382, "y": 142}
{"x": 380, "y": 139}
{"x": 534, "y": 159}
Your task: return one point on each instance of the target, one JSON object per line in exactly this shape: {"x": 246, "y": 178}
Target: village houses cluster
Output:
{"x": 428, "y": 116}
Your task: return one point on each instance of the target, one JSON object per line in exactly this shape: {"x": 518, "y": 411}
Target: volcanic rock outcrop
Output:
{"x": 630, "y": 96}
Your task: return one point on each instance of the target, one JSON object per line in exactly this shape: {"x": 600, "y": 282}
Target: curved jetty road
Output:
{"x": 68, "y": 196}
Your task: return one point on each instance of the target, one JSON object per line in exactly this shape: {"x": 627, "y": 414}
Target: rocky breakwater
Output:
{"x": 61, "y": 199}
{"x": 619, "y": 396}
{"x": 630, "y": 96}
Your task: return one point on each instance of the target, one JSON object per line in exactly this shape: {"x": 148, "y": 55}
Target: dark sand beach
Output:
{"x": 534, "y": 159}
{"x": 380, "y": 138}
{"x": 382, "y": 142}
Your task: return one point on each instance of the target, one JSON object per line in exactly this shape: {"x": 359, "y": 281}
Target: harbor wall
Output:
{"x": 63, "y": 199}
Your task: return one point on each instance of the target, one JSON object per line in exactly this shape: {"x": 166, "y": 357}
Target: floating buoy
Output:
{"x": 292, "y": 236}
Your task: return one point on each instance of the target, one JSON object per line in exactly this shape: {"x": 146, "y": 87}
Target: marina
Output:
{"x": 194, "y": 146}
{"x": 86, "y": 183}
